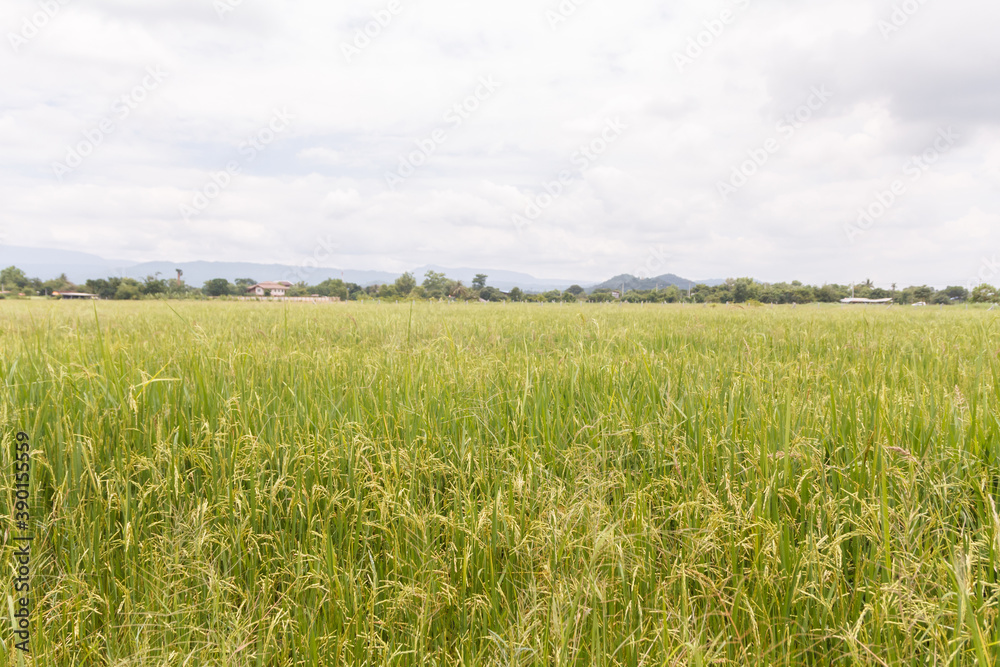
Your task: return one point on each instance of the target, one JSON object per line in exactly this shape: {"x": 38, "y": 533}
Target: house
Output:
{"x": 274, "y": 288}
{"x": 73, "y": 295}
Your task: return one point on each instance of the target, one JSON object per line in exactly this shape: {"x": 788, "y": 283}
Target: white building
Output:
{"x": 275, "y": 288}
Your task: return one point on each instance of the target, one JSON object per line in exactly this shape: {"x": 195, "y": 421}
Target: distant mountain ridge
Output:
{"x": 47, "y": 263}
{"x": 196, "y": 273}
{"x": 503, "y": 280}
{"x": 631, "y": 282}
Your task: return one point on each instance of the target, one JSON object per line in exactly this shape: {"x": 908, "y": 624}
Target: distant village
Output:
{"x": 15, "y": 284}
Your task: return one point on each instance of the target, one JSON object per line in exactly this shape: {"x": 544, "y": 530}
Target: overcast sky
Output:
{"x": 576, "y": 140}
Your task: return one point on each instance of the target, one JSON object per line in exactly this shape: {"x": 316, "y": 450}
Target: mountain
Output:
{"x": 46, "y": 263}
{"x": 503, "y": 280}
{"x": 197, "y": 273}
{"x": 666, "y": 280}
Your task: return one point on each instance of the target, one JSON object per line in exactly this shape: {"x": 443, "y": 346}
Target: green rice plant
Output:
{"x": 435, "y": 484}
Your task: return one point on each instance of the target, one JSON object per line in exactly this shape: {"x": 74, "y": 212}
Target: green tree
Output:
{"x": 956, "y": 293}
{"x": 479, "y": 282}
{"x": 941, "y": 299}
{"x": 436, "y": 285}
{"x": 457, "y": 290}
{"x": 218, "y": 287}
{"x": 128, "y": 290}
{"x": 300, "y": 289}
{"x": 744, "y": 289}
{"x": 104, "y": 289}
{"x": 602, "y": 295}
{"x": 60, "y": 284}
{"x": 803, "y": 294}
{"x": 828, "y": 294}
{"x": 13, "y": 277}
{"x": 333, "y": 287}
{"x": 552, "y": 296}
{"x": 245, "y": 283}
{"x": 984, "y": 294}
{"x": 516, "y": 294}
{"x": 153, "y": 286}
{"x": 178, "y": 290}
{"x": 492, "y": 294}
{"x": 575, "y": 290}
{"x": 405, "y": 284}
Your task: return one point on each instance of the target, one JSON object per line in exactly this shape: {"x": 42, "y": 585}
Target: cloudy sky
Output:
{"x": 776, "y": 139}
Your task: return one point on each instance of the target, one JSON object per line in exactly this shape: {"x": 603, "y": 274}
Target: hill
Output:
{"x": 666, "y": 280}
{"x": 46, "y": 263}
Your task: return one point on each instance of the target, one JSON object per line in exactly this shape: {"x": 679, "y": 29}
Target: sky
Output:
{"x": 813, "y": 141}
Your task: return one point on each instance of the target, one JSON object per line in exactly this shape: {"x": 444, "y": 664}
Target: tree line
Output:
{"x": 14, "y": 282}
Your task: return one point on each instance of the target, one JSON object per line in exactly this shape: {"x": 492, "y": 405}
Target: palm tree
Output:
{"x": 179, "y": 274}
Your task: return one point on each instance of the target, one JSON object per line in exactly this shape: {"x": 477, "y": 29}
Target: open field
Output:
{"x": 262, "y": 484}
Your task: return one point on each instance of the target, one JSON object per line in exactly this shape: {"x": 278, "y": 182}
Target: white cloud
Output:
{"x": 656, "y": 186}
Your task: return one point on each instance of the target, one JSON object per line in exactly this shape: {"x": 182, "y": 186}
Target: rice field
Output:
{"x": 431, "y": 484}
